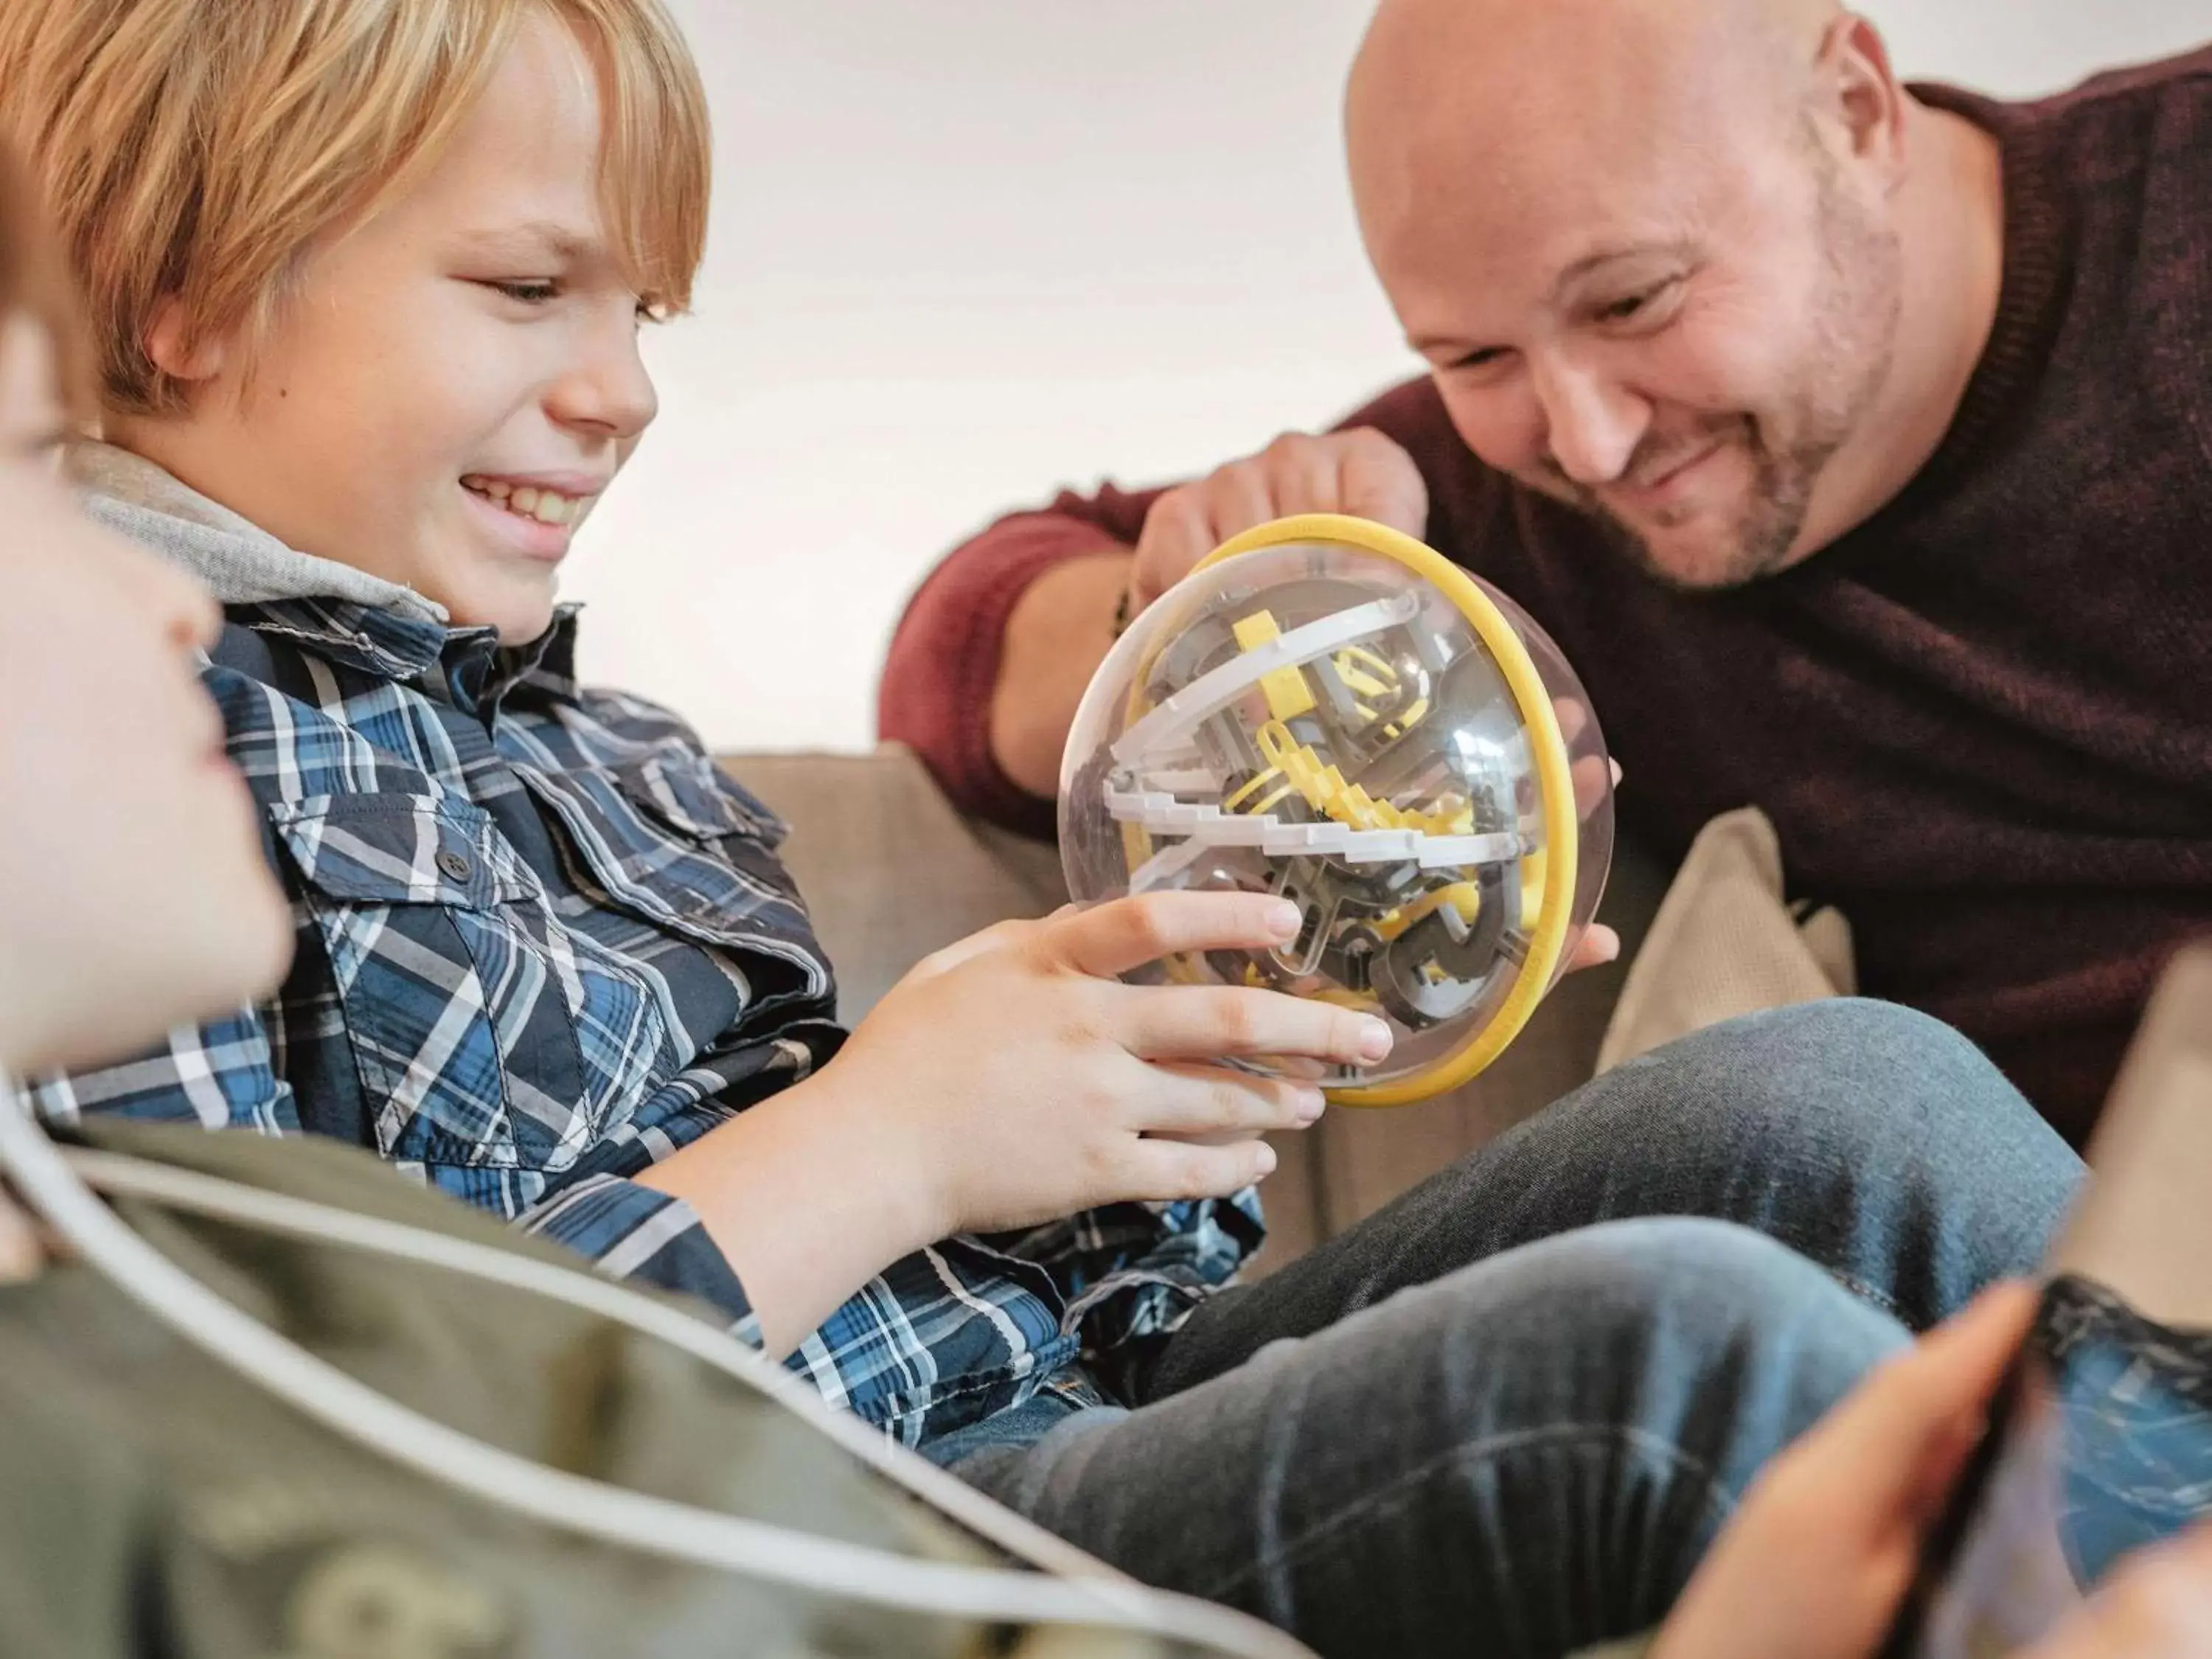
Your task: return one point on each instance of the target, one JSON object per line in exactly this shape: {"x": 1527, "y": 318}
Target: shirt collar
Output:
{"x": 354, "y": 618}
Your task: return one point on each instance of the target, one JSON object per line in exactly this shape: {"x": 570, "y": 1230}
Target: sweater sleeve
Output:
{"x": 944, "y": 664}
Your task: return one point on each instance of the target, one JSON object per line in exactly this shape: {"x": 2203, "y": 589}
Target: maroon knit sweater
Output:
{"x": 1982, "y": 721}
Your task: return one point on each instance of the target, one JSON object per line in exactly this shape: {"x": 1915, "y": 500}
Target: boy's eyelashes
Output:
{"x": 530, "y": 291}
{"x": 543, "y": 291}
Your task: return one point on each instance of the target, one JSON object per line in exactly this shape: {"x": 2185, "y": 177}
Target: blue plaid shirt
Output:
{"x": 543, "y": 942}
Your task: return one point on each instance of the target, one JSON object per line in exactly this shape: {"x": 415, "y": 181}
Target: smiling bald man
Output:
{"x": 1853, "y": 438}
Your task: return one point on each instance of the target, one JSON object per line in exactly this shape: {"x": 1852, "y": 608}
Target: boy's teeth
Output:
{"x": 546, "y": 506}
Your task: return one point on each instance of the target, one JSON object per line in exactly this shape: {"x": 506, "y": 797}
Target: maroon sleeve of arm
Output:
{"x": 938, "y": 682}
{"x": 936, "y": 692}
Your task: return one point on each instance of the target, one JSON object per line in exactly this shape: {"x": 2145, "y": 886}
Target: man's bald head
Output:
{"x": 1667, "y": 216}
{"x": 1436, "y": 77}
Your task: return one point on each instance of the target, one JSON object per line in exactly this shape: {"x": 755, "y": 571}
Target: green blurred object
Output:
{"x": 160, "y": 1503}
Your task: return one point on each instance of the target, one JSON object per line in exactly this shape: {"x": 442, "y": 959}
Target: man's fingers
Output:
{"x": 1594, "y": 776}
{"x": 1236, "y": 498}
{"x": 1302, "y": 477}
{"x": 1593, "y": 782}
{"x": 1178, "y": 534}
{"x": 1208, "y": 1023}
{"x": 1598, "y": 945}
{"x": 1110, "y": 939}
{"x": 1572, "y": 716}
{"x": 1360, "y": 473}
{"x": 1377, "y": 480}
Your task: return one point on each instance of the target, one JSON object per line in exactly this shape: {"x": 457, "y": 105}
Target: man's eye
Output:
{"x": 527, "y": 293}
{"x": 1633, "y": 306}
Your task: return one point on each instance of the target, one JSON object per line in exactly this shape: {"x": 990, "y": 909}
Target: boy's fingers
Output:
{"x": 1207, "y": 1023}
{"x": 1166, "y": 1171}
{"x": 1110, "y": 939}
{"x": 1202, "y": 1103}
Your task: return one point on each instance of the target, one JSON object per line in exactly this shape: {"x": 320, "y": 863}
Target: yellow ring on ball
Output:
{"x": 1555, "y": 784}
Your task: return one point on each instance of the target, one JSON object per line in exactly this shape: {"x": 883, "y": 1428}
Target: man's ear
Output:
{"x": 165, "y": 345}
{"x": 1860, "y": 98}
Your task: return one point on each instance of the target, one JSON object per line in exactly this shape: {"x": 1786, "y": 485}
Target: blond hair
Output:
{"x": 190, "y": 150}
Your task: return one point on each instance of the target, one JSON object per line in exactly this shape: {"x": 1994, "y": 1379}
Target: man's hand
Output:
{"x": 1820, "y": 1557}
{"x": 1360, "y": 473}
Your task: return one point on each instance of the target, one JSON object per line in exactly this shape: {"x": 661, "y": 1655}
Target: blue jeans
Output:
{"x": 1508, "y": 1413}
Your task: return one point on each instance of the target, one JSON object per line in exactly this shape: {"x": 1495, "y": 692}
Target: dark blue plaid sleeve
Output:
{"x": 634, "y": 1232}
{"x": 221, "y": 1076}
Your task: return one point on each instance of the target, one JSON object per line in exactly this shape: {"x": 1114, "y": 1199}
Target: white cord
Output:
{"x": 635, "y": 1520}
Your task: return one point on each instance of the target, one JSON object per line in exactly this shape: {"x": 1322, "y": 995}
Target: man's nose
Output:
{"x": 1592, "y": 424}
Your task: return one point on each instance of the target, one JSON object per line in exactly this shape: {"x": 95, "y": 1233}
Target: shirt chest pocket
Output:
{"x": 465, "y": 1043}
{"x": 673, "y": 842}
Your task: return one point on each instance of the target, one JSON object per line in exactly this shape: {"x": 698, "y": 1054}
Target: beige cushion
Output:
{"x": 1724, "y": 942}
{"x": 889, "y": 871}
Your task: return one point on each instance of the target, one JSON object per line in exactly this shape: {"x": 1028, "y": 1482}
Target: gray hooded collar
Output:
{"x": 242, "y": 563}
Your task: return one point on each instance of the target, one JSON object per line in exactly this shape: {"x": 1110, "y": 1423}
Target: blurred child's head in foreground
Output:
{"x": 133, "y": 895}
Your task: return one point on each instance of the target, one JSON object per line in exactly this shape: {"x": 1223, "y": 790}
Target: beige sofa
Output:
{"x": 892, "y": 872}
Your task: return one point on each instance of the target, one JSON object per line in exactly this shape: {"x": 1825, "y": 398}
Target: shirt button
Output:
{"x": 455, "y": 865}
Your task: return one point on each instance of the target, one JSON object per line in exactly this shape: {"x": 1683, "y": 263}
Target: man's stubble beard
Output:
{"x": 1851, "y": 347}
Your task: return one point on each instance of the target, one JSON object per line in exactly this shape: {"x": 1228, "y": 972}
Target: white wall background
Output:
{"x": 963, "y": 251}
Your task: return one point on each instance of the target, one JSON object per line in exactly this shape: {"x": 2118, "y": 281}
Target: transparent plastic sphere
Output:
{"x": 1330, "y": 711}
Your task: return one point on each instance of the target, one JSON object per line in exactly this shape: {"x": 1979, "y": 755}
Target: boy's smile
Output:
{"x": 536, "y": 513}
{"x": 452, "y": 381}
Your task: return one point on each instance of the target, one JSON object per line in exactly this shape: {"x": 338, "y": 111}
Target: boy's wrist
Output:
{"x": 896, "y": 1180}
{"x": 799, "y": 1196}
